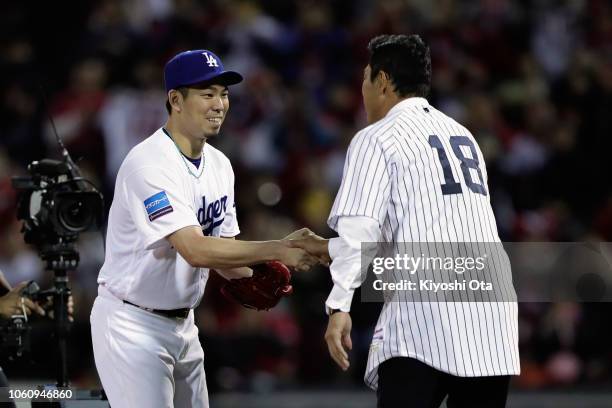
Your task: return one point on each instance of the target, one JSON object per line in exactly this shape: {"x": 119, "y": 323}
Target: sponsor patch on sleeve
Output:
{"x": 157, "y": 205}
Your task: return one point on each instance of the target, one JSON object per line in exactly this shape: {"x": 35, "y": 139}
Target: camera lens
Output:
{"x": 74, "y": 214}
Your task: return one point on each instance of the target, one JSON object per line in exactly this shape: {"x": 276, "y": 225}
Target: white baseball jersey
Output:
{"x": 155, "y": 196}
{"x": 421, "y": 176}
{"x": 142, "y": 357}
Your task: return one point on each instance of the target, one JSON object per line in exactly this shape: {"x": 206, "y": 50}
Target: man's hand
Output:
{"x": 316, "y": 246}
{"x": 70, "y": 306}
{"x": 299, "y": 234}
{"x": 338, "y": 338}
{"x": 304, "y": 238}
{"x": 14, "y": 304}
{"x": 297, "y": 258}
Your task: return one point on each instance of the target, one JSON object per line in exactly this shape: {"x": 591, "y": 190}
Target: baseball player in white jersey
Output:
{"x": 172, "y": 207}
{"x": 415, "y": 175}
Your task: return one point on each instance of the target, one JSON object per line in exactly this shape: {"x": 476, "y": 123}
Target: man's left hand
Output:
{"x": 338, "y": 338}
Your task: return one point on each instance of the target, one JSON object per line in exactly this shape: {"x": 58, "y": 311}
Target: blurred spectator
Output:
{"x": 130, "y": 113}
{"x": 75, "y": 113}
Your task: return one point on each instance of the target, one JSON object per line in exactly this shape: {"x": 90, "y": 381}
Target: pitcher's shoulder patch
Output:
{"x": 158, "y": 205}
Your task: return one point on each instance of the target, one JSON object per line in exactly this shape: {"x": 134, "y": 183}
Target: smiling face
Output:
{"x": 202, "y": 110}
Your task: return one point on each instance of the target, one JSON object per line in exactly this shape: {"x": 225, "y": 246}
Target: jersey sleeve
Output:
{"x": 230, "y": 228}
{"x": 346, "y": 253}
{"x": 157, "y": 204}
{"x": 366, "y": 182}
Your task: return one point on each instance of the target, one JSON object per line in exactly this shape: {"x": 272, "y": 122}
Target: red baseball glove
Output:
{"x": 263, "y": 290}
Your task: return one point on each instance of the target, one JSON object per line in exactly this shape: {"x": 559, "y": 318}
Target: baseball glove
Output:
{"x": 263, "y": 290}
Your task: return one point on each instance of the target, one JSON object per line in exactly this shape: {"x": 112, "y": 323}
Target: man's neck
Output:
{"x": 393, "y": 100}
{"x": 188, "y": 145}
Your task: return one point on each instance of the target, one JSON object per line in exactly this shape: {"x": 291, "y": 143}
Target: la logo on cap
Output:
{"x": 210, "y": 60}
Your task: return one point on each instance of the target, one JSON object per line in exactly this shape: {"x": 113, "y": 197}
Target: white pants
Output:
{"x": 146, "y": 360}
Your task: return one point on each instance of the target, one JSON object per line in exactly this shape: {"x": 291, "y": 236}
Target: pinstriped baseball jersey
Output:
{"x": 421, "y": 175}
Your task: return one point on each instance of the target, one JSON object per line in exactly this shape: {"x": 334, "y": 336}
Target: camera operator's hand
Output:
{"x": 14, "y": 304}
{"x": 49, "y": 305}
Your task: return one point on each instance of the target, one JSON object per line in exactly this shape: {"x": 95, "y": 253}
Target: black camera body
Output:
{"x": 15, "y": 332}
{"x": 56, "y": 203}
{"x": 15, "y": 337}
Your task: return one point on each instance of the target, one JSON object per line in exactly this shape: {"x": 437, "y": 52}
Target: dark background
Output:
{"x": 532, "y": 80}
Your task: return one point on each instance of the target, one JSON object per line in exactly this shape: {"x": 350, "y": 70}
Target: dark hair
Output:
{"x": 184, "y": 91}
{"x": 406, "y": 59}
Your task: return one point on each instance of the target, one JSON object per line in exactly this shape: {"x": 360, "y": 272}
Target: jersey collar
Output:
{"x": 407, "y": 103}
{"x": 195, "y": 162}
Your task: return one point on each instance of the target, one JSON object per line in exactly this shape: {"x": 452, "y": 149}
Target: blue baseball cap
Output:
{"x": 195, "y": 66}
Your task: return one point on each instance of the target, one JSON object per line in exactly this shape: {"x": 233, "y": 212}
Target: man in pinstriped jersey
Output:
{"x": 415, "y": 175}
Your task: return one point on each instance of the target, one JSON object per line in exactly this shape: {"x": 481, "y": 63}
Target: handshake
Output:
{"x": 263, "y": 285}
{"x": 304, "y": 249}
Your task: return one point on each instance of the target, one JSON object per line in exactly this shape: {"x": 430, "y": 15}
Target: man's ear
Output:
{"x": 176, "y": 99}
{"x": 383, "y": 82}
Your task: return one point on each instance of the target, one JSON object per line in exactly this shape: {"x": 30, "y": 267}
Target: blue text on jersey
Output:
{"x": 157, "y": 205}
{"x": 208, "y": 216}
